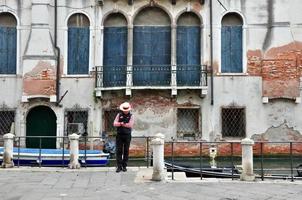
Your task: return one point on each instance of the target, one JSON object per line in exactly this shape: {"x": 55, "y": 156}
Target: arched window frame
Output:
{"x": 171, "y": 22}
{"x": 91, "y": 46}
{"x": 244, "y": 32}
{"x": 116, "y": 79}
{"x": 201, "y": 49}
{"x": 18, "y": 60}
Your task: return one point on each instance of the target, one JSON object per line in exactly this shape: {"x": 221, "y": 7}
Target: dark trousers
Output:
{"x": 122, "y": 149}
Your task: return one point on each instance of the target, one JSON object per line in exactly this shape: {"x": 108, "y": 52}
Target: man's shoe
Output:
{"x": 118, "y": 170}
{"x": 124, "y": 169}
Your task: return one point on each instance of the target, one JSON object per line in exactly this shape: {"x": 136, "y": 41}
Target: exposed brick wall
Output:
{"x": 254, "y": 62}
{"x": 280, "y": 78}
{"x": 138, "y": 148}
{"x": 280, "y": 69}
{"x": 41, "y": 80}
{"x": 277, "y": 149}
{"x": 192, "y": 150}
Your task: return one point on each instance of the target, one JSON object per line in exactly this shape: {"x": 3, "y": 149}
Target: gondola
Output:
{"x": 205, "y": 171}
{"x": 223, "y": 172}
{"x": 55, "y": 157}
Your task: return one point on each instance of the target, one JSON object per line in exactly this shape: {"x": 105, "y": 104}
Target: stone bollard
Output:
{"x": 158, "y": 157}
{"x": 247, "y": 160}
{"x": 74, "y": 151}
{"x": 8, "y": 151}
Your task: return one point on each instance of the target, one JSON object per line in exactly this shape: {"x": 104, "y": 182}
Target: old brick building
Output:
{"x": 68, "y": 64}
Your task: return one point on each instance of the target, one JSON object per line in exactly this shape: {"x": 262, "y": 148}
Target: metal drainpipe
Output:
{"x": 211, "y": 53}
{"x": 58, "y": 56}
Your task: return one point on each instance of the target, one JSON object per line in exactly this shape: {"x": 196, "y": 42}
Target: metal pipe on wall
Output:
{"x": 211, "y": 53}
{"x": 58, "y": 55}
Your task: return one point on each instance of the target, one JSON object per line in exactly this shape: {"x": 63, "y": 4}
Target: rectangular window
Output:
{"x": 109, "y": 117}
{"x": 188, "y": 55}
{"x": 187, "y": 122}
{"x": 7, "y": 117}
{"x": 231, "y": 49}
{"x": 151, "y": 55}
{"x": 76, "y": 121}
{"x": 8, "y": 38}
{"x": 233, "y": 122}
{"x": 78, "y": 50}
{"x": 115, "y": 56}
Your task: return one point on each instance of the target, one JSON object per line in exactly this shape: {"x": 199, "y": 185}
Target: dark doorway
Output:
{"x": 41, "y": 121}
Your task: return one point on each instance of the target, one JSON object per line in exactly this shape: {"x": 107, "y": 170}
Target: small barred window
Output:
{"x": 233, "y": 122}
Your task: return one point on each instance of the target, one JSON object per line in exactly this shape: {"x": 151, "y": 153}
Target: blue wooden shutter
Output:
{"x": 8, "y": 46}
{"x": 151, "y": 55}
{"x": 236, "y": 48}
{"x": 115, "y": 56}
{"x": 188, "y": 55}
{"x": 72, "y": 50}
{"x": 161, "y": 56}
{"x": 142, "y": 55}
{"x": 225, "y": 49}
{"x": 12, "y": 50}
{"x": 78, "y": 50}
{"x": 3, "y": 51}
{"x": 231, "y": 49}
{"x": 83, "y": 62}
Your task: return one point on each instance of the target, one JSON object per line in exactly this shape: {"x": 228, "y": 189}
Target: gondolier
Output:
{"x": 124, "y": 123}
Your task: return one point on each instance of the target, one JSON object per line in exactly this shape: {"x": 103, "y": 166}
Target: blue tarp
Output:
{"x": 51, "y": 151}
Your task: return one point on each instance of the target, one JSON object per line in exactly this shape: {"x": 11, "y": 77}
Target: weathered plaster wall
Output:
{"x": 80, "y": 94}
{"x": 10, "y": 94}
{"x": 242, "y": 91}
{"x": 153, "y": 111}
{"x": 272, "y": 49}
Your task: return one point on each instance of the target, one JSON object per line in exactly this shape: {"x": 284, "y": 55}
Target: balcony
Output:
{"x": 151, "y": 77}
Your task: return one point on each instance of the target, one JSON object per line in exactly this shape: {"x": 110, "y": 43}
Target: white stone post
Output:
{"x": 158, "y": 157}
{"x": 8, "y": 151}
{"x": 247, "y": 160}
{"x": 74, "y": 151}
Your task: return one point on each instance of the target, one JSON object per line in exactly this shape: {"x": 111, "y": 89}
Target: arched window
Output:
{"x": 78, "y": 44}
{"x": 231, "y": 43}
{"x": 8, "y": 43}
{"x": 115, "y": 50}
{"x": 152, "y": 48}
{"x": 188, "y": 49}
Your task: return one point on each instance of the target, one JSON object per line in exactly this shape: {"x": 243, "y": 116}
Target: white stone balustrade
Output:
{"x": 247, "y": 160}
{"x": 8, "y": 151}
{"x": 74, "y": 151}
{"x": 158, "y": 157}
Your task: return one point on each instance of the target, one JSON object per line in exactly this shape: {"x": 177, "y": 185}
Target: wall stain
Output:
{"x": 282, "y": 133}
{"x": 270, "y": 19}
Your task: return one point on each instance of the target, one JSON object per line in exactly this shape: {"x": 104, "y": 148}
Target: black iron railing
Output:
{"x": 291, "y": 169}
{"x": 84, "y": 144}
{"x": 151, "y": 75}
{"x": 293, "y": 162}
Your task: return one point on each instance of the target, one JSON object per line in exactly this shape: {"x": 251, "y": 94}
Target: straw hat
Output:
{"x": 125, "y": 106}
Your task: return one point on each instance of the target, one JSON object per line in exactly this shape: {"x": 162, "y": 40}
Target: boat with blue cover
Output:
{"x": 55, "y": 157}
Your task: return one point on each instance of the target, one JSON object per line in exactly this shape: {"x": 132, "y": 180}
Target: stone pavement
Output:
{"x": 104, "y": 183}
